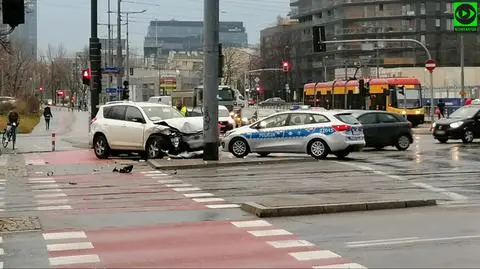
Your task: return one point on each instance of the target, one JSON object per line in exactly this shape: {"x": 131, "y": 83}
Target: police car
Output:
{"x": 317, "y": 133}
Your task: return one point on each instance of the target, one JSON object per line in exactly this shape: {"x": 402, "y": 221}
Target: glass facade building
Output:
{"x": 428, "y": 21}
{"x": 26, "y": 34}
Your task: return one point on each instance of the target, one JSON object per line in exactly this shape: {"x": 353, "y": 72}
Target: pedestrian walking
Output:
{"x": 441, "y": 109}
{"x": 47, "y": 114}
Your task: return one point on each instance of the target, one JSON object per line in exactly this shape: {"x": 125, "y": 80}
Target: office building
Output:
{"x": 428, "y": 21}
{"x": 165, "y": 36}
{"x": 25, "y": 35}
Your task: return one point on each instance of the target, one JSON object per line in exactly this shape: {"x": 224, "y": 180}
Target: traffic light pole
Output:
{"x": 95, "y": 62}
{"x": 210, "y": 77}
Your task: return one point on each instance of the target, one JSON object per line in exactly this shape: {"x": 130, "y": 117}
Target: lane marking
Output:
{"x": 166, "y": 181}
{"x": 2, "y": 251}
{"x": 251, "y": 223}
{"x": 382, "y": 240}
{"x": 414, "y": 241}
{"x": 42, "y": 181}
{"x": 65, "y": 260}
{"x": 223, "y": 206}
{"x": 55, "y": 207}
{"x": 262, "y": 233}
{"x": 341, "y": 266}
{"x": 314, "y": 255}
{"x": 452, "y": 195}
{"x": 48, "y": 190}
{"x": 50, "y": 195}
{"x": 69, "y": 246}
{"x": 1, "y": 239}
{"x": 203, "y": 194}
{"x": 46, "y": 186}
{"x": 41, "y": 178}
{"x": 64, "y": 235}
{"x": 49, "y": 202}
{"x": 186, "y": 189}
{"x": 178, "y": 185}
{"x": 208, "y": 200}
{"x": 290, "y": 243}
{"x": 152, "y": 172}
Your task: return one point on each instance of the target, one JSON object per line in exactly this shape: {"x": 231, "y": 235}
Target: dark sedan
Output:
{"x": 383, "y": 129}
{"x": 462, "y": 124}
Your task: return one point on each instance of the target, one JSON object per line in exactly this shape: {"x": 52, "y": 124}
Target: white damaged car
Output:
{"x": 154, "y": 130}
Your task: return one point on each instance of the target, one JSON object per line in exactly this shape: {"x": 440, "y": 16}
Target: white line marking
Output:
{"x": 2, "y": 252}
{"x": 178, "y": 185}
{"x": 341, "y": 266}
{"x": 452, "y": 195}
{"x": 186, "y": 189}
{"x": 414, "y": 241}
{"x": 208, "y": 200}
{"x": 153, "y": 172}
{"x": 54, "y": 207}
{"x": 314, "y": 255}
{"x": 1, "y": 239}
{"x": 38, "y": 172}
{"x": 64, "y": 235}
{"x": 41, "y": 178}
{"x": 381, "y": 240}
{"x": 49, "y": 202}
{"x": 261, "y": 233}
{"x": 290, "y": 243}
{"x": 43, "y": 181}
{"x": 223, "y": 206}
{"x": 69, "y": 246}
{"x": 65, "y": 260}
{"x": 49, "y": 190}
{"x": 1, "y": 265}
{"x": 192, "y": 195}
{"x": 51, "y": 195}
{"x": 3, "y": 180}
{"x": 251, "y": 223}
{"x": 165, "y": 181}
{"x": 46, "y": 186}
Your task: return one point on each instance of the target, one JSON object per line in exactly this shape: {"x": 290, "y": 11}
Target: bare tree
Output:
{"x": 17, "y": 70}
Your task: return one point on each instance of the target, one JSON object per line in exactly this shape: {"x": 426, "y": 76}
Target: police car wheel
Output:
{"x": 318, "y": 149}
{"x": 239, "y": 147}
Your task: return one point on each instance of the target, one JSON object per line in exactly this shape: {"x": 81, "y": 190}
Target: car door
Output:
{"x": 268, "y": 134}
{"x": 134, "y": 128}
{"x": 295, "y": 131}
{"x": 369, "y": 122}
{"x": 114, "y": 125}
{"x": 389, "y": 127}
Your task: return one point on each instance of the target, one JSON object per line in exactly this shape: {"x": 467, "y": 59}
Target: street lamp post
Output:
{"x": 127, "y": 60}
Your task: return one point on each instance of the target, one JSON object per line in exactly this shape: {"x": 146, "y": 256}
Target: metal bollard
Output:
{"x": 53, "y": 141}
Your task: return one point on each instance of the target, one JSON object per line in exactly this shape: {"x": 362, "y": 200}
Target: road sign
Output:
{"x": 465, "y": 17}
{"x": 111, "y": 70}
{"x": 430, "y": 65}
{"x": 257, "y": 79}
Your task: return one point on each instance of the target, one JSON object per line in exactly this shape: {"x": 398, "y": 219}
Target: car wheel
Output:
{"x": 403, "y": 142}
{"x": 239, "y": 147}
{"x": 442, "y": 140}
{"x": 264, "y": 154}
{"x": 100, "y": 147}
{"x": 154, "y": 147}
{"x": 318, "y": 149}
{"x": 467, "y": 137}
{"x": 342, "y": 154}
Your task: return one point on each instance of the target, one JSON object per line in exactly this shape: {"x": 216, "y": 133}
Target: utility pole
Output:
{"x": 108, "y": 60}
{"x": 211, "y": 13}
{"x": 95, "y": 61}
{"x": 127, "y": 59}
{"x": 462, "y": 67}
{"x": 119, "y": 45}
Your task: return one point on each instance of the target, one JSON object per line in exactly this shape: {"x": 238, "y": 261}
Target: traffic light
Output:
{"x": 60, "y": 93}
{"x": 318, "y": 33}
{"x": 221, "y": 61}
{"x": 126, "y": 91}
{"x": 286, "y": 66}
{"x": 86, "y": 76}
{"x": 13, "y": 12}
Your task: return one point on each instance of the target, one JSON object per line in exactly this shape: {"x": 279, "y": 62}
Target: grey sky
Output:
{"x": 68, "y": 21}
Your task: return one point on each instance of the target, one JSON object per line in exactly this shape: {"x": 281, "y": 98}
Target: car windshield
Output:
{"x": 225, "y": 94}
{"x": 223, "y": 112}
{"x": 464, "y": 112}
{"x": 157, "y": 113}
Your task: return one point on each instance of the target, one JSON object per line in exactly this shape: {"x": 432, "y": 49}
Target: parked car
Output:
{"x": 151, "y": 129}
{"x": 225, "y": 117}
{"x": 276, "y": 101}
{"x": 383, "y": 129}
{"x": 317, "y": 133}
{"x": 251, "y": 102}
{"x": 462, "y": 124}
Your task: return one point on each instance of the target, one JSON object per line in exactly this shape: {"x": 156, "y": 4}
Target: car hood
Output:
{"x": 188, "y": 125}
{"x": 448, "y": 121}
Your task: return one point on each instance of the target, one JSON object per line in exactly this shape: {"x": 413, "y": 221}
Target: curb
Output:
{"x": 265, "y": 211}
{"x": 207, "y": 164}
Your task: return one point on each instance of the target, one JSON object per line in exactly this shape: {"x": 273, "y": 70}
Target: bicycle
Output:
{"x": 9, "y": 134}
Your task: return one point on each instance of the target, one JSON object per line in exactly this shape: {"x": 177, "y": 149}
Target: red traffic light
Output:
{"x": 286, "y": 66}
{"x": 40, "y": 89}
{"x": 86, "y": 74}
{"x": 60, "y": 93}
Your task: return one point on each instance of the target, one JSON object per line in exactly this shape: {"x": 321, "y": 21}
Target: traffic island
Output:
{"x": 263, "y": 211}
{"x": 169, "y": 164}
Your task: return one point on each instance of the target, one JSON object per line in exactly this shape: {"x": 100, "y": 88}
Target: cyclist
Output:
{"x": 13, "y": 121}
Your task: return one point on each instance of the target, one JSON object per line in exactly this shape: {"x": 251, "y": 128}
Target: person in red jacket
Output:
{"x": 468, "y": 101}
